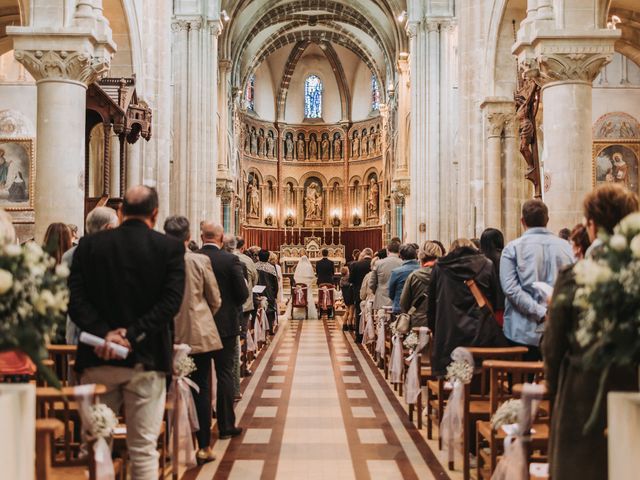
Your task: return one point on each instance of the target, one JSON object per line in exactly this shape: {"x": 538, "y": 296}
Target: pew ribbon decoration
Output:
{"x": 251, "y": 344}
{"x": 396, "y": 366}
{"x": 380, "y": 344}
{"x": 412, "y": 382}
{"x": 183, "y": 420}
{"x": 459, "y": 374}
{"x": 99, "y": 422}
{"x": 513, "y": 465}
{"x": 368, "y": 336}
{"x": 264, "y": 319}
{"x": 258, "y": 333}
{"x": 325, "y": 299}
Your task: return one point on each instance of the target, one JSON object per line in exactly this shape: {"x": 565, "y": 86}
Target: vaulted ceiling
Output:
{"x": 258, "y": 28}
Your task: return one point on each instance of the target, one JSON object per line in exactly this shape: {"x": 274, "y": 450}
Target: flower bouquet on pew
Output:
{"x": 33, "y": 304}
{"x": 608, "y": 298}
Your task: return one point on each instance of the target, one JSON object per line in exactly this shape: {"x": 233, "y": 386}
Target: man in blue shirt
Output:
{"x": 536, "y": 256}
{"x": 408, "y": 255}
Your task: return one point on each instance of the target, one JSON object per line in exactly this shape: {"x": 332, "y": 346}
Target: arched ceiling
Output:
{"x": 629, "y": 13}
{"x": 369, "y": 28}
{"x": 12, "y": 12}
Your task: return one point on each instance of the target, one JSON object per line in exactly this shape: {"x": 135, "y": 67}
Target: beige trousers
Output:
{"x": 143, "y": 395}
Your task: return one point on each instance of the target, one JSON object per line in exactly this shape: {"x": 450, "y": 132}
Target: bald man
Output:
{"x": 234, "y": 292}
{"x": 126, "y": 286}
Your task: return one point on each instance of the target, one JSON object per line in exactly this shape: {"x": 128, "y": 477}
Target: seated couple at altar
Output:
{"x": 304, "y": 274}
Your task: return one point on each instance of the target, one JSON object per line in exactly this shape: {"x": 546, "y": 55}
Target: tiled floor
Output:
{"x": 316, "y": 408}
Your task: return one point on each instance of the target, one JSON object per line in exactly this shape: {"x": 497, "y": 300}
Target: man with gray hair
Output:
{"x": 100, "y": 218}
{"x": 234, "y": 292}
{"x": 229, "y": 243}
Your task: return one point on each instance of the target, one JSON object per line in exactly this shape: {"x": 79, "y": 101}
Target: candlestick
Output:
{"x": 300, "y": 235}
{"x": 324, "y": 234}
{"x": 332, "y": 229}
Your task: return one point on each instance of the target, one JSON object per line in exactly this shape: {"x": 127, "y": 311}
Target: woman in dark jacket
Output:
{"x": 453, "y": 314}
{"x": 415, "y": 291}
{"x": 573, "y": 387}
{"x": 491, "y": 245}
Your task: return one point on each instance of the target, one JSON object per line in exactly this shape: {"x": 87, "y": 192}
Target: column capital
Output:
{"x": 79, "y": 66}
{"x": 215, "y": 27}
{"x": 496, "y": 122}
{"x": 412, "y": 29}
{"x": 433, "y": 25}
{"x": 571, "y": 66}
{"x": 179, "y": 25}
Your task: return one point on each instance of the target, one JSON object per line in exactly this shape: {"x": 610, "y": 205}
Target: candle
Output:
{"x": 324, "y": 234}
{"x": 332, "y": 229}
{"x": 300, "y": 235}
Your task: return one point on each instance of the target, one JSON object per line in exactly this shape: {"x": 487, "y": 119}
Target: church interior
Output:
{"x": 311, "y": 125}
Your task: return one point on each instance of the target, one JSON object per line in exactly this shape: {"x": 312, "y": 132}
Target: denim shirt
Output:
{"x": 396, "y": 282}
{"x": 536, "y": 256}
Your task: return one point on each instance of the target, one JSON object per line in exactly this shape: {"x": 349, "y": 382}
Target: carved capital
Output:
{"x": 50, "y": 64}
{"x": 559, "y": 67}
{"x": 215, "y": 28}
{"x": 433, "y": 26}
{"x": 179, "y": 26}
{"x": 401, "y": 189}
{"x": 411, "y": 29}
{"x": 496, "y": 122}
{"x": 195, "y": 24}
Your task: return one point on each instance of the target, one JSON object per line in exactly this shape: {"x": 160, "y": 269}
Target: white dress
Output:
{"x": 304, "y": 274}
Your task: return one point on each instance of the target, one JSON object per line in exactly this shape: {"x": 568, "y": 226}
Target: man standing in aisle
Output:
{"x": 379, "y": 279}
{"x": 233, "y": 290}
{"x": 126, "y": 286}
{"x": 536, "y": 256}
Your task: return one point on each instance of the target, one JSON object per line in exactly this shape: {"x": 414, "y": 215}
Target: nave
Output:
{"x": 316, "y": 407}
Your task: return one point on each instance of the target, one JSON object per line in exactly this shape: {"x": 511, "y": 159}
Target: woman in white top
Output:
{"x": 304, "y": 274}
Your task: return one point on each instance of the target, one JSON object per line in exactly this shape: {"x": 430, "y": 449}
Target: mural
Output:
{"x": 16, "y": 174}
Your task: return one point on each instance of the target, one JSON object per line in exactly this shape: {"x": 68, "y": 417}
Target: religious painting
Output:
{"x": 617, "y": 164}
{"x": 616, "y": 125}
{"x": 17, "y": 169}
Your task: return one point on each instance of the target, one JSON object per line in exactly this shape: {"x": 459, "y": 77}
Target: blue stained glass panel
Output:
{"x": 313, "y": 97}
{"x": 249, "y": 94}
{"x": 375, "y": 93}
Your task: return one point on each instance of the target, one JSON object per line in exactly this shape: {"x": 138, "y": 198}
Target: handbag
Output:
{"x": 403, "y": 320}
{"x": 488, "y": 332}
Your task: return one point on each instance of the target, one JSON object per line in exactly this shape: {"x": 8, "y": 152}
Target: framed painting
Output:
{"x": 17, "y": 174}
{"x": 617, "y": 163}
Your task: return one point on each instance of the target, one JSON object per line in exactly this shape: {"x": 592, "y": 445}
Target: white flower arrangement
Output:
{"x": 33, "y": 301}
{"x": 460, "y": 371}
{"x": 184, "y": 366}
{"x": 411, "y": 341}
{"x": 102, "y": 421}
{"x": 508, "y": 413}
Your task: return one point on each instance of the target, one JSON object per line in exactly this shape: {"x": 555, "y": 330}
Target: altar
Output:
{"x": 290, "y": 254}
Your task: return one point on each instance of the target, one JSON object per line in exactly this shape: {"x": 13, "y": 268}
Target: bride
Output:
{"x": 304, "y": 274}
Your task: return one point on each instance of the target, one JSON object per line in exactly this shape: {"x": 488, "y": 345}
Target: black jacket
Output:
{"x": 268, "y": 277}
{"x": 453, "y": 314}
{"x": 357, "y": 273}
{"x": 233, "y": 289}
{"x": 131, "y": 277}
{"x": 324, "y": 271}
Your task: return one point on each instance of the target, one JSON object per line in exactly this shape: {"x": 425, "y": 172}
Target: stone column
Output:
{"x": 564, "y": 49}
{"x": 180, "y": 141}
{"x": 63, "y": 58}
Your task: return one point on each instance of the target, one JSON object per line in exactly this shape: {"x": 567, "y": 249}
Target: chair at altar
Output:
{"x": 326, "y": 299}
{"x": 299, "y": 297}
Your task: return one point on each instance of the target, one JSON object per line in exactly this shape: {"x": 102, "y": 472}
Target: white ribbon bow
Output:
{"x": 380, "y": 342}
{"x": 101, "y": 451}
{"x": 396, "y": 365}
{"x": 412, "y": 382}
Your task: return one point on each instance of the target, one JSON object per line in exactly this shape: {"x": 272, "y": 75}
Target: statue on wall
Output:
{"x": 271, "y": 153}
{"x": 325, "y": 147}
{"x": 364, "y": 144}
{"x": 355, "y": 145}
{"x": 246, "y": 138}
{"x": 372, "y": 142}
{"x": 313, "y": 202}
{"x": 253, "y": 198}
{"x": 379, "y": 139}
{"x": 300, "y": 153}
{"x": 313, "y": 147}
{"x": 527, "y": 101}
{"x": 372, "y": 201}
{"x": 337, "y": 146}
{"x": 262, "y": 146}
{"x": 288, "y": 147}
{"x": 254, "y": 141}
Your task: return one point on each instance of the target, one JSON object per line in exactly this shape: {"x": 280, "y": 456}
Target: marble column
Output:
{"x": 63, "y": 57}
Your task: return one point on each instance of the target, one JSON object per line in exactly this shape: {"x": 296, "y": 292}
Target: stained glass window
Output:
{"x": 249, "y": 94}
{"x": 313, "y": 97}
{"x": 375, "y": 93}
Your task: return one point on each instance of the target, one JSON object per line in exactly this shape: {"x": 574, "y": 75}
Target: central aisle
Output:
{"x": 317, "y": 408}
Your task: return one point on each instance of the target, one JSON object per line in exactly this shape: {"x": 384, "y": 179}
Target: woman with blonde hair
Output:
{"x": 273, "y": 260}
{"x": 416, "y": 288}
